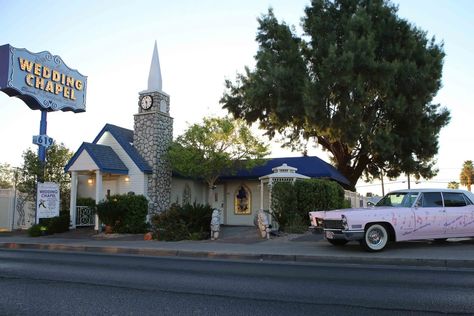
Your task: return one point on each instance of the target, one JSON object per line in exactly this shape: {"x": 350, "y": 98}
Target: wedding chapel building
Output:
{"x": 123, "y": 161}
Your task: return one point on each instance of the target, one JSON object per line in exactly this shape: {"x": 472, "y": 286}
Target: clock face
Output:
{"x": 146, "y": 102}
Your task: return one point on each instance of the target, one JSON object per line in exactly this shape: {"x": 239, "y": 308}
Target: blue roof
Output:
{"x": 125, "y": 138}
{"x": 310, "y": 166}
{"x": 104, "y": 157}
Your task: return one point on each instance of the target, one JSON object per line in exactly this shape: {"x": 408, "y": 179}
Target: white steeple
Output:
{"x": 154, "y": 78}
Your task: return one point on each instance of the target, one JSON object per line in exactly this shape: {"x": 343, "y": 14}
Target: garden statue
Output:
{"x": 215, "y": 223}
{"x": 263, "y": 224}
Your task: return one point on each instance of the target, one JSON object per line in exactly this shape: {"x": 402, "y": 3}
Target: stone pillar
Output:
{"x": 98, "y": 195}
{"x": 153, "y": 134}
{"x": 73, "y": 200}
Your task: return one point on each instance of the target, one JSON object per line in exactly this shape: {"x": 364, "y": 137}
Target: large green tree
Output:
{"x": 215, "y": 146}
{"x": 467, "y": 174}
{"x": 57, "y": 157}
{"x": 359, "y": 82}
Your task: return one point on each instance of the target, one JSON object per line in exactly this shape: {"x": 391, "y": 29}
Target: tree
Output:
{"x": 215, "y": 146}
{"x": 57, "y": 157}
{"x": 467, "y": 174}
{"x": 359, "y": 82}
{"x": 7, "y": 176}
{"x": 453, "y": 185}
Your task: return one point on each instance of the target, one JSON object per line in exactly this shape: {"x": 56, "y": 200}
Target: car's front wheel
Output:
{"x": 338, "y": 242}
{"x": 376, "y": 237}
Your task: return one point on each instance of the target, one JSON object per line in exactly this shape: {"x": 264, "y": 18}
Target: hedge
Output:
{"x": 291, "y": 202}
{"x": 125, "y": 213}
{"x": 183, "y": 222}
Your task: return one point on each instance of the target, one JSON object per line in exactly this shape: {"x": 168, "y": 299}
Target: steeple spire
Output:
{"x": 154, "y": 78}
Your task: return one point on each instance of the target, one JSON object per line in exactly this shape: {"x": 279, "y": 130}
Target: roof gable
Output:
{"x": 125, "y": 138}
{"x": 103, "y": 156}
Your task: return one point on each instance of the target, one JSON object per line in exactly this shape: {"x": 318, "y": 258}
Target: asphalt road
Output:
{"x": 43, "y": 283}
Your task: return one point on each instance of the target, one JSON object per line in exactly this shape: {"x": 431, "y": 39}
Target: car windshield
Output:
{"x": 398, "y": 199}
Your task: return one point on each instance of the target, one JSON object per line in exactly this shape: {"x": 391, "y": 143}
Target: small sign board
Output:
{"x": 43, "y": 140}
{"x": 42, "y": 80}
{"x": 47, "y": 200}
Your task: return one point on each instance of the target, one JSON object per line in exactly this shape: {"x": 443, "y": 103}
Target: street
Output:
{"x": 44, "y": 283}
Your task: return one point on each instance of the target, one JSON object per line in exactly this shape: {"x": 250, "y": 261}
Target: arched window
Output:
{"x": 186, "y": 194}
{"x": 242, "y": 201}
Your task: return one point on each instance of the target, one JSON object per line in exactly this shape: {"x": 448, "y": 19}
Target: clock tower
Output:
{"x": 153, "y": 133}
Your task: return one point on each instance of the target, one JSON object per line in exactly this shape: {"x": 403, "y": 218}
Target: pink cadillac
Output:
{"x": 401, "y": 215}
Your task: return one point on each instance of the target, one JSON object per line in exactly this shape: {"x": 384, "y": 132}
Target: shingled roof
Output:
{"x": 103, "y": 156}
{"x": 310, "y": 166}
{"x": 125, "y": 138}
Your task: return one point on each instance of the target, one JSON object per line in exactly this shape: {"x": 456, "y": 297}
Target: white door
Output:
{"x": 217, "y": 200}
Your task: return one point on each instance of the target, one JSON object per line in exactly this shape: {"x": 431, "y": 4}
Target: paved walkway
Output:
{"x": 243, "y": 243}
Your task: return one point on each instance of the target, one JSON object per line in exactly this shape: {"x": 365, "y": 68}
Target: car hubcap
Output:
{"x": 375, "y": 237}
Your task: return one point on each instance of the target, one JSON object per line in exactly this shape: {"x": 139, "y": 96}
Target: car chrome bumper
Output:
{"x": 344, "y": 234}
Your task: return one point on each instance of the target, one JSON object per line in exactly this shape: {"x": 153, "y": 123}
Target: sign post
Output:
{"x": 44, "y": 82}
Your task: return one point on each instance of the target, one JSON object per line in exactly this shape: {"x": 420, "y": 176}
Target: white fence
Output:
{"x": 355, "y": 198}
{"x": 16, "y": 212}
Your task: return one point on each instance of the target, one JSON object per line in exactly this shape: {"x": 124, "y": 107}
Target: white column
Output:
{"x": 73, "y": 199}
{"x": 261, "y": 194}
{"x": 98, "y": 195}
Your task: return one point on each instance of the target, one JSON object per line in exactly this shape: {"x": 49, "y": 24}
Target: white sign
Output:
{"x": 47, "y": 200}
{"x": 43, "y": 140}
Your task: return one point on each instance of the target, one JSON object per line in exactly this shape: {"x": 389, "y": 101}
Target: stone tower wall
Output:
{"x": 153, "y": 133}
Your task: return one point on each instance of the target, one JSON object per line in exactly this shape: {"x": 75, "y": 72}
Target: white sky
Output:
{"x": 200, "y": 43}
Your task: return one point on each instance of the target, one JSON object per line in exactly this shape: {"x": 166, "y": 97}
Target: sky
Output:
{"x": 200, "y": 45}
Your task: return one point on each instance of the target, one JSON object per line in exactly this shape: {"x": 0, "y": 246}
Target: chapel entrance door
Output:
{"x": 218, "y": 200}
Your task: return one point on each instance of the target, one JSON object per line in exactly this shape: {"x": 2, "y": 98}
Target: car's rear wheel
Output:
{"x": 376, "y": 237}
{"x": 338, "y": 242}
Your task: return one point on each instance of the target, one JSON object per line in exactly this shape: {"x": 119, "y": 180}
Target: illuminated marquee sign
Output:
{"x": 43, "y": 81}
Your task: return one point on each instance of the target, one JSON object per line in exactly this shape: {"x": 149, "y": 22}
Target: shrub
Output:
{"x": 109, "y": 212}
{"x": 183, "y": 222}
{"x": 292, "y": 202}
{"x": 135, "y": 210}
{"x": 284, "y": 203}
{"x": 57, "y": 224}
{"x": 36, "y": 230}
{"x": 125, "y": 213}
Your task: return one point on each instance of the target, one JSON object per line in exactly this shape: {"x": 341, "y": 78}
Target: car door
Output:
{"x": 430, "y": 216}
{"x": 459, "y": 215}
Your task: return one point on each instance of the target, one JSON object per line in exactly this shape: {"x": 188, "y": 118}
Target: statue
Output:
{"x": 215, "y": 223}
{"x": 263, "y": 224}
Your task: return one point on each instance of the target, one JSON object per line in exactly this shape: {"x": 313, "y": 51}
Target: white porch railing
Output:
{"x": 85, "y": 216}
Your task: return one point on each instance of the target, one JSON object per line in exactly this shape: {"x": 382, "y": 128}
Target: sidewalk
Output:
{"x": 243, "y": 244}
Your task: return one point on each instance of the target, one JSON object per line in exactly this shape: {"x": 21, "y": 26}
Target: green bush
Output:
{"x": 36, "y": 230}
{"x": 109, "y": 212}
{"x": 284, "y": 203}
{"x": 135, "y": 210}
{"x": 125, "y": 213}
{"x": 292, "y": 202}
{"x": 57, "y": 224}
{"x": 183, "y": 222}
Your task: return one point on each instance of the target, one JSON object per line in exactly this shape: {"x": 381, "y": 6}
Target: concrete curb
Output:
{"x": 413, "y": 262}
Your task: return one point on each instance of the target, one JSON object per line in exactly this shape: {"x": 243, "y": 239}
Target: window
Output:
{"x": 398, "y": 199}
{"x": 452, "y": 199}
{"x": 431, "y": 199}
{"x": 242, "y": 199}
